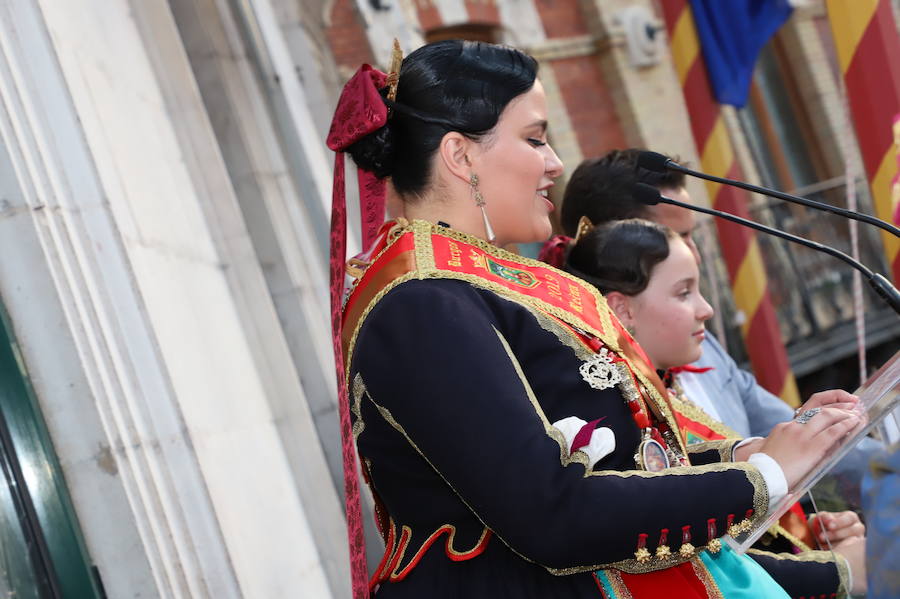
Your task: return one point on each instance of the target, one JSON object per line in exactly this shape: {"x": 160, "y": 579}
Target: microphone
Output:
{"x": 650, "y": 196}
{"x": 659, "y": 163}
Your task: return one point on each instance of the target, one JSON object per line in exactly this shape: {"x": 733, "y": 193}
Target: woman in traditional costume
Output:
{"x": 516, "y": 439}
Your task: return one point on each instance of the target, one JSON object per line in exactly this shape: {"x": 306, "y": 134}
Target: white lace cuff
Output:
{"x": 602, "y": 440}
{"x": 773, "y": 475}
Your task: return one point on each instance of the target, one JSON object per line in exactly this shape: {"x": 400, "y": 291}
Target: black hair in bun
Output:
{"x": 375, "y": 152}
{"x": 451, "y": 85}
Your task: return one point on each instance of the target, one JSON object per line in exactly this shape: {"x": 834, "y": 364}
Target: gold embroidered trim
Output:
{"x": 819, "y": 557}
{"x": 627, "y": 387}
{"x": 617, "y": 584}
{"x": 565, "y": 336}
{"x": 760, "y": 493}
{"x": 843, "y": 568}
{"x": 760, "y": 506}
{"x": 696, "y": 413}
{"x": 712, "y": 589}
{"x": 423, "y": 249}
{"x": 554, "y": 433}
{"x": 724, "y": 447}
{"x": 359, "y": 389}
{"x": 779, "y": 530}
{"x": 392, "y": 235}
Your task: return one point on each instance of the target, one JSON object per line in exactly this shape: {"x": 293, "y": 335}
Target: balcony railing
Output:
{"x": 812, "y": 292}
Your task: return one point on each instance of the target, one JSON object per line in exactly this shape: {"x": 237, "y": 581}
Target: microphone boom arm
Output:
{"x": 878, "y": 282}
{"x": 871, "y": 220}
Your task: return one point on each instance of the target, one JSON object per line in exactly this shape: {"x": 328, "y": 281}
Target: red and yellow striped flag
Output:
{"x": 895, "y": 182}
{"x": 740, "y": 248}
{"x": 868, "y": 50}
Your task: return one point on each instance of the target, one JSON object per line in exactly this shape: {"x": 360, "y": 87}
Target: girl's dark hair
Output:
{"x": 620, "y": 255}
{"x": 451, "y": 85}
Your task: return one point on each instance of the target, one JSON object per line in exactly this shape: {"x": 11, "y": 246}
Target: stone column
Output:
{"x": 144, "y": 316}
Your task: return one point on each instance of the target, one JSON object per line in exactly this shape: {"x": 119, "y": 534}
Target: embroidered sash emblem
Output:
{"x": 513, "y": 275}
{"x": 599, "y": 372}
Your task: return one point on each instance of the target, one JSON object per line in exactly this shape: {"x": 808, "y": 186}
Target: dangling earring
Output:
{"x": 630, "y": 329}
{"x": 479, "y": 201}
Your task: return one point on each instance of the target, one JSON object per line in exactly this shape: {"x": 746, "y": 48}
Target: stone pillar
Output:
{"x": 144, "y": 316}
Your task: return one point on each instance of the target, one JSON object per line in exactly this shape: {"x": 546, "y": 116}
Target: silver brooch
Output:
{"x": 599, "y": 372}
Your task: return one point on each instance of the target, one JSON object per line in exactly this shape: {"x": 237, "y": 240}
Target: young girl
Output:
{"x": 650, "y": 279}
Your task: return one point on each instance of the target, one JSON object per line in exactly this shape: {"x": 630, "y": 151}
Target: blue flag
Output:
{"x": 732, "y": 32}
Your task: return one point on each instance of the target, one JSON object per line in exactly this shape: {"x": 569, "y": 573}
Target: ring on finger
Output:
{"x": 806, "y": 416}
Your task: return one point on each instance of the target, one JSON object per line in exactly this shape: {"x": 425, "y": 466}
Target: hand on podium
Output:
{"x": 800, "y": 444}
{"x": 833, "y": 398}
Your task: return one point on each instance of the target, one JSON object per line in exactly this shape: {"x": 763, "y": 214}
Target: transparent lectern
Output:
{"x": 879, "y": 397}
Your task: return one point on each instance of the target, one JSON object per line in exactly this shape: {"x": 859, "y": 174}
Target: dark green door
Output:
{"x": 42, "y": 555}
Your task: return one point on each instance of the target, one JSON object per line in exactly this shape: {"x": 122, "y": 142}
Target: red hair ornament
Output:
{"x": 360, "y": 111}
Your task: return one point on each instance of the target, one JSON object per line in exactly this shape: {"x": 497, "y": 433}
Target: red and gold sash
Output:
{"x": 422, "y": 250}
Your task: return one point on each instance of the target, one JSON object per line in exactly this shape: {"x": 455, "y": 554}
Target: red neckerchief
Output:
{"x": 669, "y": 374}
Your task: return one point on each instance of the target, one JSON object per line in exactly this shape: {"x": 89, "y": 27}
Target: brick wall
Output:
{"x": 561, "y": 18}
{"x": 347, "y": 37}
{"x": 483, "y": 11}
{"x": 572, "y": 54}
{"x": 591, "y": 110}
